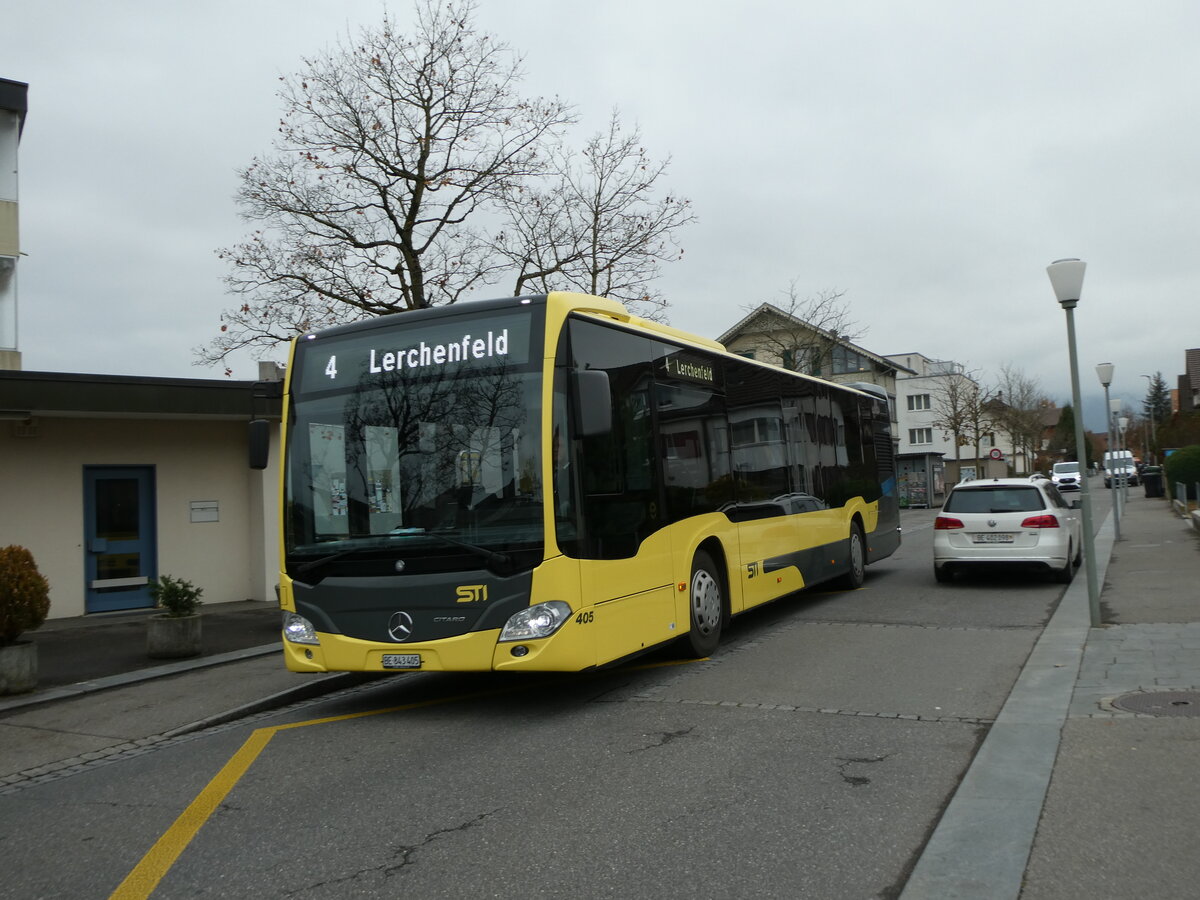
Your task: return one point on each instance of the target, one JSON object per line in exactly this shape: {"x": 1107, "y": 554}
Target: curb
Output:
{"x": 79, "y": 689}
{"x": 327, "y": 685}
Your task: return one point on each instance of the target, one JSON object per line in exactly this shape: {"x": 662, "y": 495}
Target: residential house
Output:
{"x": 1189, "y": 383}
{"x": 772, "y": 335}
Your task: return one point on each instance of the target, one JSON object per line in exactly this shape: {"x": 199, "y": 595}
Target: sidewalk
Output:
{"x": 1071, "y": 795}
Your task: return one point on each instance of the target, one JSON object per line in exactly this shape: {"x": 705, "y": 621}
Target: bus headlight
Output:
{"x": 298, "y": 629}
{"x": 539, "y": 621}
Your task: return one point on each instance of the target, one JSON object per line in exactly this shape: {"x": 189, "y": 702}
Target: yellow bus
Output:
{"x": 549, "y": 483}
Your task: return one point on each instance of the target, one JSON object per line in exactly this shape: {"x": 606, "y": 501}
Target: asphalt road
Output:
{"x": 809, "y": 757}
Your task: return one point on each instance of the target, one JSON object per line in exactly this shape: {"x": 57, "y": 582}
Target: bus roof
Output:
{"x": 616, "y": 311}
{"x": 599, "y": 307}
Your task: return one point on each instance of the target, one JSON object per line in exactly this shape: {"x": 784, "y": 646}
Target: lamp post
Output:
{"x": 1105, "y": 372}
{"x": 1153, "y": 427}
{"x": 1066, "y": 277}
{"x": 1123, "y": 424}
{"x": 1114, "y": 411}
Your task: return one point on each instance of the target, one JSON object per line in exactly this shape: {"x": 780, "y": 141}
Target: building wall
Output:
{"x": 10, "y": 245}
{"x": 42, "y": 501}
{"x": 918, "y": 419}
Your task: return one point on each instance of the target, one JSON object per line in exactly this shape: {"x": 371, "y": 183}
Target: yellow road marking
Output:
{"x": 141, "y": 882}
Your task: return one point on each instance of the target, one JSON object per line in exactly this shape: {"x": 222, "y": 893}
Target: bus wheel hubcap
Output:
{"x": 706, "y": 601}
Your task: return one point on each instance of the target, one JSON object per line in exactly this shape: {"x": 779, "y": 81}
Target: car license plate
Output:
{"x": 993, "y": 538}
{"x": 401, "y": 661}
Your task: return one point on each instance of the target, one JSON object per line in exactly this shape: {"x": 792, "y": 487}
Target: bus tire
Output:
{"x": 706, "y": 606}
{"x": 857, "y": 553}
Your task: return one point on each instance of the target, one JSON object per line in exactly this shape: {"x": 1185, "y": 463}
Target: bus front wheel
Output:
{"x": 706, "y": 606}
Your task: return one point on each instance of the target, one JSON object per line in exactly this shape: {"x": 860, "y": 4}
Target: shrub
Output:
{"x": 1183, "y": 467}
{"x": 24, "y": 594}
{"x": 178, "y": 597}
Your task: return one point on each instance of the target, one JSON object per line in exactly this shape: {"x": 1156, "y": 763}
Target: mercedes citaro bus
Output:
{"x": 550, "y": 483}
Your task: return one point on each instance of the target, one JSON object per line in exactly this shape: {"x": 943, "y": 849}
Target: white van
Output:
{"x": 1120, "y": 464}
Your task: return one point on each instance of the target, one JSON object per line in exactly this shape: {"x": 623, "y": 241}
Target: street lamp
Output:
{"x": 1123, "y": 423}
{"x": 1105, "y": 373}
{"x": 1114, "y": 412}
{"x": 1066, "y": 277}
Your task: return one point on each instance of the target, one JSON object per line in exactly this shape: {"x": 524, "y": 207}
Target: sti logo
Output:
{"x": 472, "y": 593}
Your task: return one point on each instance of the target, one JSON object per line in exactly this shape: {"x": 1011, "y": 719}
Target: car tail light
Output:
{"x": 1046, "y": 521}
{"x": 946, "y": 523}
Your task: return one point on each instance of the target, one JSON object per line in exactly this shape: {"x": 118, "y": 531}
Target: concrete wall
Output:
{"x": 42, "y": 501}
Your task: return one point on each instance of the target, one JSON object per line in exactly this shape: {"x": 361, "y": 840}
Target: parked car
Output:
{"x": 1065, "y": 476}
{"x": 1008, "y": 522}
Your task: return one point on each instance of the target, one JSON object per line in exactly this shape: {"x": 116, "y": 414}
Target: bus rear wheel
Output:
{"x": 706, "y": 606}
{"x": 857, "y": 552}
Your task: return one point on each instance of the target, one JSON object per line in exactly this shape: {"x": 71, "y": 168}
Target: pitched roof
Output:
{"x": 769, "y": 309}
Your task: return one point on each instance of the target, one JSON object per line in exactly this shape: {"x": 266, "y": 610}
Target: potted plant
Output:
{"x": 24, "y": 602}
{"x": 175, "y": 632}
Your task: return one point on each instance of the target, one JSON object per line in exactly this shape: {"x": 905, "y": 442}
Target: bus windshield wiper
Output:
{"x": 317, "y": 563}
{"x": 499, "y": 563}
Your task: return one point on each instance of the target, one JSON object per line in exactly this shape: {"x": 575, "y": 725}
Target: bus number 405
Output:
{"x": 584, "y": 618}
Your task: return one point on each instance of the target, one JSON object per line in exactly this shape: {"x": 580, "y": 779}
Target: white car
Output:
{"x": 1065, "y": 476}
{"x": 1018, "y": 522}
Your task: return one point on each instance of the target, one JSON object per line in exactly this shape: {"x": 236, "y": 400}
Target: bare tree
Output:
{"x": 391, "y": 151}
{"x": 802, "y": 332}
{"x": 979, "y": 417}
{"x": 955, "y": 403}
{"x": 1017, "y": 411}
{"x": 595, "y": 225}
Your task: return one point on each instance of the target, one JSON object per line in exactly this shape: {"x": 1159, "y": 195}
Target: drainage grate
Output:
{"x": 1160, "y": 703}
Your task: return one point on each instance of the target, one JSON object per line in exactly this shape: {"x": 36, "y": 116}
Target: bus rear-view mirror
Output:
{"x": 259, "y": 443}
{"x": 593, "y": 402}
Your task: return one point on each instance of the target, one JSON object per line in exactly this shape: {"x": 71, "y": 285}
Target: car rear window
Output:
{"x": 994, "y": 500}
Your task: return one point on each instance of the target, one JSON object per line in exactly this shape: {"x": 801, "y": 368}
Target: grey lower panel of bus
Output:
{"x": 829, "y": 561}
{"x": 884, "y": 542}
{"x": 816, "y": 564}
{"x": 400, "y": 609}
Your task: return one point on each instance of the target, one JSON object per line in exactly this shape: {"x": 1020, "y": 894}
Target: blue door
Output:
{"x": 119, "y": 537}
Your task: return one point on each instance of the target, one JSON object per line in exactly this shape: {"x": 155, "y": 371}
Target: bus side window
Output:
{"x": 620, "y": 504}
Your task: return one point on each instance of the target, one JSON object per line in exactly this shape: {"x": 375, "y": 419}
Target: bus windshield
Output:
{"x": 427, "y": 450}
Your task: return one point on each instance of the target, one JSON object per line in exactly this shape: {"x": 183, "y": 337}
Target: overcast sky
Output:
{"x": 929, "y": 159}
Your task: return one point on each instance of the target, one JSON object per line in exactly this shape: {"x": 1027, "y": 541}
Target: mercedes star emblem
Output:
{"x": 400, "y": 626}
